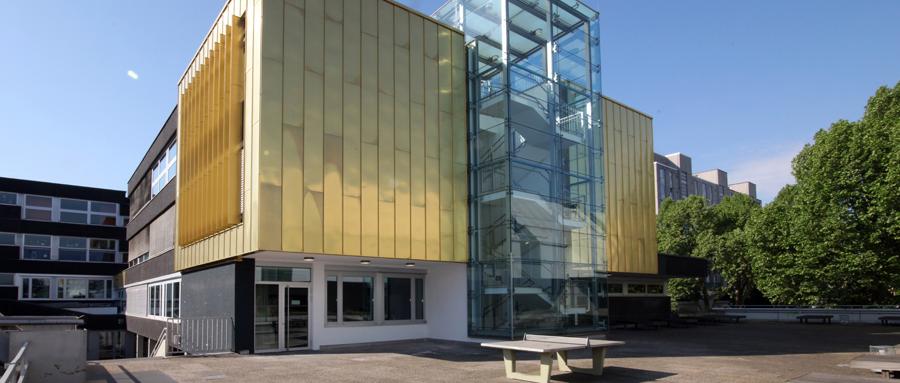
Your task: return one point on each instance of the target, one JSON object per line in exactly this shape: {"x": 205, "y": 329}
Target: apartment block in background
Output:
{"x": 675, "y": 180}
{"x": 152, "y": 285}
{"x": 61, "y": 247}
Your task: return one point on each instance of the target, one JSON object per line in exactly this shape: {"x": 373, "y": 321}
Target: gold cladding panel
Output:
{"x": 356, "y": 138}
{"x": 631, "y": 217}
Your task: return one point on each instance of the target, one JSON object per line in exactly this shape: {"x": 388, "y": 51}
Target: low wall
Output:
{"x": 789, "y": 314}
{"x": 53, "y": 356}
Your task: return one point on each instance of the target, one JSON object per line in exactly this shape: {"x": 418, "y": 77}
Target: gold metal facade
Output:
{"x": 363, "y": 135}
{"x": 354, "y": 133}
{"x": 210, "y": 138}
{"x": 630, "y": 209}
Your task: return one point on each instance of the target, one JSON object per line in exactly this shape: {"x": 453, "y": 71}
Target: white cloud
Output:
{"x": 132, "y": 74}
{"x": 770, "y": 170}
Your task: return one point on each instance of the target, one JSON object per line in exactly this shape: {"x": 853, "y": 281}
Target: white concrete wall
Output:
{"x": 445, "y": 300}
{"x": 54, "y": 356}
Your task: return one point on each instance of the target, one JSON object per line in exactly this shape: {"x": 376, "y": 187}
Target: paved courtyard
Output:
{"x": 746, "y": 352}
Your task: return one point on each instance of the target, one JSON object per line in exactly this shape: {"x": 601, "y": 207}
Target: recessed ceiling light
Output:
{"x": 410, "y": 264}
{"x": 309, "y": 259}
{"x": 365, "y": 262}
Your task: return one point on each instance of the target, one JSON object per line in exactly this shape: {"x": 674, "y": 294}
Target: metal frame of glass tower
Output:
{"x": 537, "y": 260}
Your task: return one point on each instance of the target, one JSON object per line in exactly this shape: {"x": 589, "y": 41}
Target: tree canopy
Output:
{"x": 834, "y": 236}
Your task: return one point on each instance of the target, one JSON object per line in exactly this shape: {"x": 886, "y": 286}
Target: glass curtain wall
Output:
{"x": 537, "y": 262}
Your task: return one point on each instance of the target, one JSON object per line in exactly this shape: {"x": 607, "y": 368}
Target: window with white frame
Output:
{"x": 104, "y": 213}
{"x": 164, "y": 299}
{"x": 7, "y": 198}
{"x": 163, "y": 169}
{"x": 36, "y": 247}
{"x": 83, "y": 288}
{"x": 352, "y": 298}
{"x": 102, "y": 250}
{"x": 73, "y": 211}
{"x": 35, "y": 288}
{"x": 38, "y": 208}
{"x": 72, "y": 249}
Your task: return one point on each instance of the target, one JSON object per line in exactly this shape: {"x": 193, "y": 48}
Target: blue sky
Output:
{"x": 739, "y": 85}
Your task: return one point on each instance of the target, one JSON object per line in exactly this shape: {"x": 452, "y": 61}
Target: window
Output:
{"x": 72, "y": 249}
{"x": 404, "y": 298}
{"x": 163, "y": 170}
{"x": 36, "y": 247}
{"x": 38, "y": 208}
{"x": 356, "y": 300}
{"x": 81, "y": 288}
{"x": 7, "y": 239}
{"x": 351, "y": 298}
{"x": 73, "y": 211}
{"x": 7, "y": 279}
{"x": 35, "y": 288}
{"x": 164, "y": 299}
{"x": 7, "y": 198}
{"x": 103, "y": 213}
{"x": 637, "y": 288}
{"x": 654, "y": 288}
{"x": 102, "y": 250}
{"x": 614, "y": 288}
{"x": 282, "y": 274}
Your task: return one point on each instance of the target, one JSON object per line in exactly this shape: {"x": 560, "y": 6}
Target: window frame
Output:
{"x": 159, "y": 304}
{"x": 26, "y": 207}
{"x": 379, "y": 278}
{"x": 164, "y": 169}
{"x": 14, "y": 195}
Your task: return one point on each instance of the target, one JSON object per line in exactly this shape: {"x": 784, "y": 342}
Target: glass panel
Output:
{"x": 357, "y": 298}
{"x": 7, "y": 239}
{"x": 332, "y": 297}
{"x": 169, "y": 300}
{"x": 75, "y": 289}
{"x": 96, "y": 289}
{"x": 72, "y": 255}
{"x": 420, "y": 298}
{"x": 282, "y": 274}
{"x": 296, "y": 311}
{"x": 176, "y": 310}
{"x": 614, "y": 288}
{"x": 103, "y": 244}
{"x": 102, "y": 256}
{"x": 36, "y": 253}
{"x": 266, "y": 318}
{"x": 73, "y": 204}
{"x": 7, "y": 279}
{"x": 38, "y": 215}
{"x": 654, "y": 289}
{"x": 635, "y": 288}
{"x": 38, "y": 201}
{"x": 7, "y": 198}
{"x": 37, "y": 240}
{"x": 72, "y": 242}
{"x": 397, "y": 299}
{"x": 69, "y": 217}
{"x": 40, "y": 288}
{"x": 103, "y": 207}
{"x": 107, "y": 220}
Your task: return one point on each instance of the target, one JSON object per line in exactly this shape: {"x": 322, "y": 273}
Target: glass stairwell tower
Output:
{"x": 537, "y": 259}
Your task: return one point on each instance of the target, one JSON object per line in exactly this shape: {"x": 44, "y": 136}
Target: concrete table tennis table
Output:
{"x": 547, "y": 346}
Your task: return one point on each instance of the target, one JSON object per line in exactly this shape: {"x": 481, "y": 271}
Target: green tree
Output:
{"x": 727, "y": 247}
{"x": 834, "y": 237}
{"x": 678, "y": 226}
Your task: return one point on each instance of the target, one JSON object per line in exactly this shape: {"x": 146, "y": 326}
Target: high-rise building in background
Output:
{"x": 675, "y": 180}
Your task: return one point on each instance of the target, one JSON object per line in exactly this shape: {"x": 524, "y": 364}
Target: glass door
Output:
{"x": 296, "y": 314}
{"x": 266, "y": 317}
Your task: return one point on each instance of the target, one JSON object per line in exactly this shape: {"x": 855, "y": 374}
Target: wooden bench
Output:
{"x": 817, "y": 377}
{"x": 547, "y": 346}
{"x": 887, "y": 319}
{"x": 889, "y": 365}
{"x": 826, "y": 319}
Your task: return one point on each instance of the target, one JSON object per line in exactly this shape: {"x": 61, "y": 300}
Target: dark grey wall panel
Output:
{"x": 156, "y": 206}
{"x": 225, "y": 290}
{"x": 145, "y": 327}
{"x": 158, "y": 266}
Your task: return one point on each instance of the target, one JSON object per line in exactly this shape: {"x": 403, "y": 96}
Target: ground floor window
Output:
{"x": 352, "y": 297}
{"x": 164, "y": 299}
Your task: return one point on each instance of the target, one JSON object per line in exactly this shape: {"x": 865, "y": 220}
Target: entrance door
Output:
{"x": 296, "y": 314}
{"x": 282, "y": 317}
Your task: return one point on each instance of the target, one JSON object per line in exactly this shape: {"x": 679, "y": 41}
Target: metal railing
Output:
{"x": 17, "y": 368}
{"x": 162, "y": 340}
{"x": 201, "y": 336}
